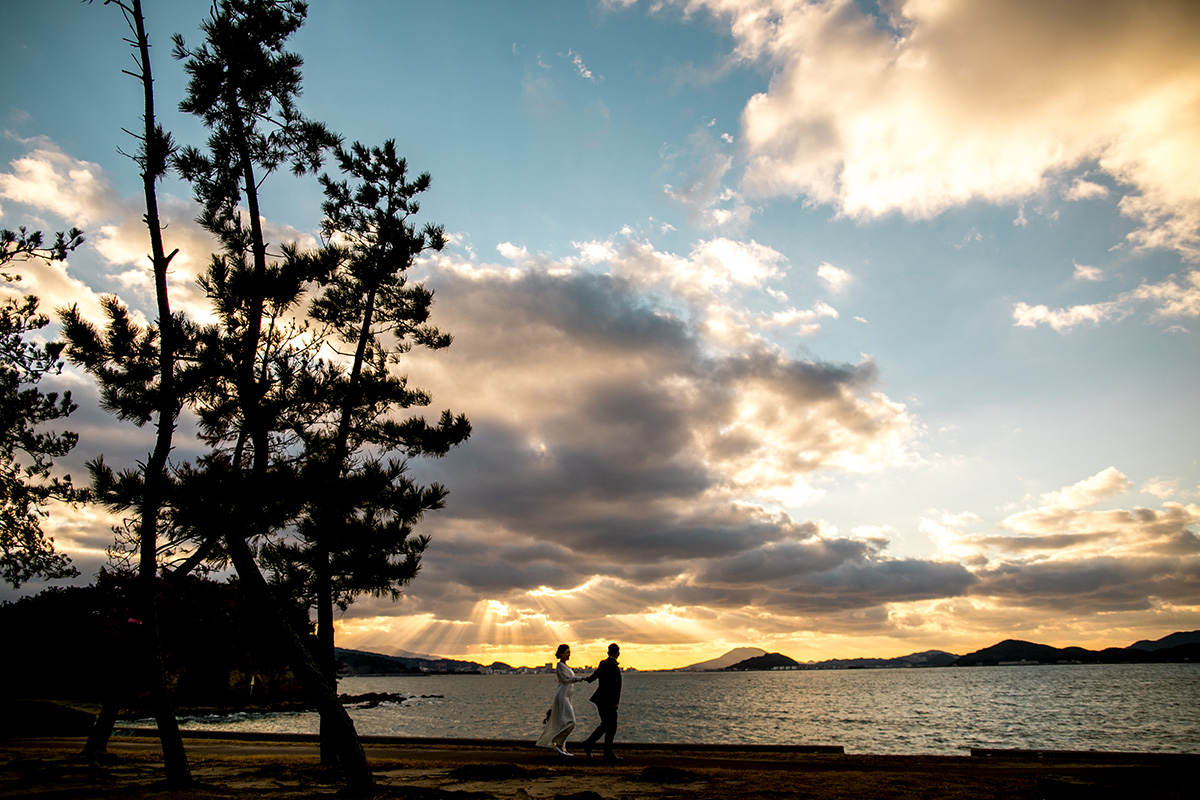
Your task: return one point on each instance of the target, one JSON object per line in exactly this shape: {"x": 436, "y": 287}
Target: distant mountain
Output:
{"x": 763, "y": 662}
{"x": 1182, "y": 646}
{"x": 358, "y": 662}
{"x": 929, "y": 658}
{"x": 1173, "y": 640}
{"x": 1015, "y": 651}
{"x": 732, "y": 657}
{"x": 411, "y": 654}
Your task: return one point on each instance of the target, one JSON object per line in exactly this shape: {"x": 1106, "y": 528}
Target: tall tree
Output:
{"x": 27, "y": 449}
{"x": 244, "y": 85}
{"x": 137, "y": 372}
{"x": 358, "y": 538}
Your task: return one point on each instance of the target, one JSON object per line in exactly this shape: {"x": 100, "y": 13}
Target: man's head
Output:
{"x": 613, "y": 650}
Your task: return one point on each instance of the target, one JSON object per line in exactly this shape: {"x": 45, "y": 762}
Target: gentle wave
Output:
{"x": 1119, "y": 707}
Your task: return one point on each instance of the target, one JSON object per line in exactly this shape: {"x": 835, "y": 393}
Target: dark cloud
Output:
{"x": 782, "y": 562}
{"x": 1060, "y": 541}
{"x": 608, "y": 432}
{"x": 1093, "y": 585}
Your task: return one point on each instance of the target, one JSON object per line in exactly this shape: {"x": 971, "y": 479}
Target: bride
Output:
{"x": 561, "y": 719}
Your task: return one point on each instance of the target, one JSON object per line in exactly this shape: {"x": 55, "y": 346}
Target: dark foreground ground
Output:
{"x": 49, "y": 768}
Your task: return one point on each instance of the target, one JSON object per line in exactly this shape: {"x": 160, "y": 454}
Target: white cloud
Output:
{"x": 81, "y": 193}
{"x": 803, "y": 321}
{"x": 54, "y": 286}
{"x": 1084, "y": 189}
{"x": 581, "y": 68}
{"x": 1027, "y": 316}
{"x": 702, "y": 166}
{"x": 48, "y": 179}
{"x": 1084, "y": 272}
{"x": 1104, "y": 484}
{"x": 1162, "y": 488}
{"x": 835, "y": 278}
{"x": 1176, "y": 298}
{"x": 949, "y": 101}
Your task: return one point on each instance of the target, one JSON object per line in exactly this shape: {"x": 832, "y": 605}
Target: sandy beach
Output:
{"x": 473, "y": 770}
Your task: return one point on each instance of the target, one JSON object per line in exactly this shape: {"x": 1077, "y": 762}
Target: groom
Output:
{"x": 606, "y": 698}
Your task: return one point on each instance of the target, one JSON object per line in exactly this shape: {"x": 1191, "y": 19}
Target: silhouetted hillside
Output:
{"x": 1015, "y": 651}
{"x": 358, "y": 662}
{"x": 929, "y": 658}
{"x": 721, "y": 662}
{"x": 768, "y": 661}
{"x": 77, "y": 642}
{"x": 1177, "y": 639}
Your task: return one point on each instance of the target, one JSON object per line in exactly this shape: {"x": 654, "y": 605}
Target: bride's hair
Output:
{"x": 562, "y": 648}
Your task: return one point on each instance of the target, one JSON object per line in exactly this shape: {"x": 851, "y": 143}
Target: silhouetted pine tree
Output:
{"x": 136, "y": 369}
{"x": 27, "y": 449}
{"x": 357, "y": 534}
{"x": 265, "y": 383}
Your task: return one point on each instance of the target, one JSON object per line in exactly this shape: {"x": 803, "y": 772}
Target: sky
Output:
{"x": 832, "y": 327}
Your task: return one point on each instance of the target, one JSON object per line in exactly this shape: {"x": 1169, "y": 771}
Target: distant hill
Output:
{"x": 929, "y": 658}
{"x": 1015, "y": 651}
{"x": 358, "y": 662}
{"x": 732, "y": 657}
{"x": 1176, "y": 639}
{"x": 1182, "y": 646}
{"x": 763, "y": 662}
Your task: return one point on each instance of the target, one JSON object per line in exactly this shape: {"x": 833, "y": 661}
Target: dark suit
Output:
{"x": 606, "y": 698}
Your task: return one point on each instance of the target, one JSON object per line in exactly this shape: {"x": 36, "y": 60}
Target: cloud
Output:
{"x": 835, "y": 278}
{"x": 53, "y": 285}
{"x": 1083, "y": 272}
{"x": 945, "y": 102}
{"x": 50, "y": 180}
{"x": 1083, "y": 189}
{"x": 702, "y": 166}
{"x": 1176, "y": 298}
{"x": 1089, "y": 491}
{"x": 1096, "y": 585}
{"x": 581, "y": 68}
{"x": 632, "y": 460}
{"x": 1066, "y": 553}
{"x": 82, "y": 194}
{"x": 1162, "y": 488}
{"x": 765, "y": 578}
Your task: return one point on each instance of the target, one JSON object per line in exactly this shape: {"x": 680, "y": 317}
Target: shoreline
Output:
{"x": 376, "y": 740}
{"x": 280, "y": 767}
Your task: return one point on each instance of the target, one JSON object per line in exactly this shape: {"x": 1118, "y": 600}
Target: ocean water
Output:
{"x": 1142, "y": 708}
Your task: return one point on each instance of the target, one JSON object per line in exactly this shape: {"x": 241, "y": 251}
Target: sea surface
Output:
{"x": 1139, "y": 708}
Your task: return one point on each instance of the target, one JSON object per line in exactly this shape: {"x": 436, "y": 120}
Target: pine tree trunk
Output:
{"x": 154, "y": 481}
{"x": 324, "y": 656}
{"x": 321, "y": 693}
{"x": 174, "y": 756}
{"x": 102, "y": 728}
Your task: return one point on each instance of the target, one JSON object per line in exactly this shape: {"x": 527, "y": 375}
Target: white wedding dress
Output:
{"x": 562, "y": 715}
